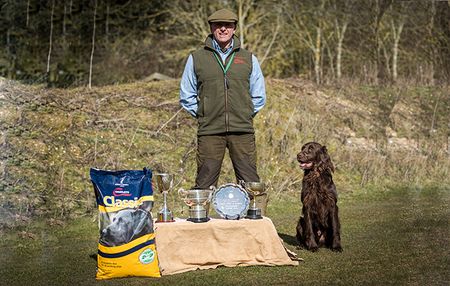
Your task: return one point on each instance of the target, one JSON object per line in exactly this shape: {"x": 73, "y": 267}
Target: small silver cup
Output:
{"x": 164, "y": 182}
{"x": 254, "y": 189}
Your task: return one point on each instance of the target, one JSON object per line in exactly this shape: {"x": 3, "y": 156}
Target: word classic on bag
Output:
{"x": 127, "y": 240}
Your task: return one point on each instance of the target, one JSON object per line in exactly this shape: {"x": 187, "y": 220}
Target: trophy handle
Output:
{"x": 181, "y": 192}
{"x": 211, "y": 194}
{"x": 213, "y": 190}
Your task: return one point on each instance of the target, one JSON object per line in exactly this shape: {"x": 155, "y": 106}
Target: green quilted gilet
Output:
{"x": 225, "y": 103}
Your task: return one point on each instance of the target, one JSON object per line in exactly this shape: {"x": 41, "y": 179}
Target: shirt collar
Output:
{"x": 218, "y": 49}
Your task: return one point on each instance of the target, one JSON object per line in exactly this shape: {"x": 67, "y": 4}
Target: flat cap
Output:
{"x": 223, "y": 15}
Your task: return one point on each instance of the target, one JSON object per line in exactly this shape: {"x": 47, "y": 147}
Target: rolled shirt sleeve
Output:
{"x": 188, "y": 88}
{"x": 257, "y": 87}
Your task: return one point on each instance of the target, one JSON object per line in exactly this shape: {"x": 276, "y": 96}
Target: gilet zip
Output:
{"x": 225, "y": 84}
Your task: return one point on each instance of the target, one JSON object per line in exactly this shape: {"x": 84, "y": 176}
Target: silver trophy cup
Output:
{"x": 254, "y": 189}
{"x": 164, "y": 182}
{"x": 197, "y": 200}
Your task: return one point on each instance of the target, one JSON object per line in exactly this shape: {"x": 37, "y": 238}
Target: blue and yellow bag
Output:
{"x": 127, "y": 240}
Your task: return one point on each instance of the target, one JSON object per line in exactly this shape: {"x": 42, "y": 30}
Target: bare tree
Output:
{"x": 393, "y": 24}
{"x": 275, "y": 34}
{"x": 257, "y": 19}
{"x": 381, "y": 7}
{"x": 342, "y": 12}
{"x": 243, "y": 11}
{"x": 28, "y": 12}
{"x": 108, "y": 4}
{"x": 308, "y": 27}
{"x": 430, "y": 32}
{"x": 50, "y": 37}
{"x": 187, "y": 25}
{"x": 396, "y": 34}
{"x": 93, "y": 46}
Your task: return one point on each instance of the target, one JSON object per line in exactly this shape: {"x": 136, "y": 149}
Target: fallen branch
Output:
{"x": 167, "y": 122}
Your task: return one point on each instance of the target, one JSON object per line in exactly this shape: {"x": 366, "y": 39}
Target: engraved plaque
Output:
{"x": 231, "y": 201}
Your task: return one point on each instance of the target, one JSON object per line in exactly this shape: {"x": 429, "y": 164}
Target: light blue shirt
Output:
{"x": 188, "y": 85}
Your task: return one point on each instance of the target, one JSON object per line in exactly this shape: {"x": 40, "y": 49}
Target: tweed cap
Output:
{"x": 223, "y": 15}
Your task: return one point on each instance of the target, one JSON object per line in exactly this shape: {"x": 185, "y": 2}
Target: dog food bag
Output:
{"x": 127, "y": 240}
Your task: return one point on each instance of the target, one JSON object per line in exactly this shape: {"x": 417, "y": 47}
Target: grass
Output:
{"x": 391, "y": 237}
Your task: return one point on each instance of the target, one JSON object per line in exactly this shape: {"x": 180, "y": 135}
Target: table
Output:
{"x": 184, "y": 246}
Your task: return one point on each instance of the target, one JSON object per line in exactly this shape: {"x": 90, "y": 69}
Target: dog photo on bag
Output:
{"x": 319, "y": 224}
{"x": 126, "y": 225}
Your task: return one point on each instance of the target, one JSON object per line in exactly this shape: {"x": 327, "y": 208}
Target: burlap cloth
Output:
{"x": 184, "y": 246}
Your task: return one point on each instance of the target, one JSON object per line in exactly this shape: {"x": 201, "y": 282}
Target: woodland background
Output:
{"x": 73, "y": 42}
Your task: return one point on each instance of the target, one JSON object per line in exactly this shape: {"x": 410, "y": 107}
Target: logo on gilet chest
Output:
{"x": 239, "y": 60}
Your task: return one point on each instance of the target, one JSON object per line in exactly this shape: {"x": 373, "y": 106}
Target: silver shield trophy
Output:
{"x": 165, "y": 183}
{"x": 231, "y": 201}
{"x": 254, "y": 189}
{"x": 197, "y": 200}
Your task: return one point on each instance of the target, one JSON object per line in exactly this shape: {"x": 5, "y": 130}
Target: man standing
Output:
{"x": 223, "y": 88}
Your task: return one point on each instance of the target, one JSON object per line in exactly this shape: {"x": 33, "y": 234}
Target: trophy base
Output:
{"x": 165, "y": 216}
{"x": 254, "y": 214}
{"x": 197, "y": 220}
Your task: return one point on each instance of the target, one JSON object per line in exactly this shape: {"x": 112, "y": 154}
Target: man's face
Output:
{"x": 223, "y": 32}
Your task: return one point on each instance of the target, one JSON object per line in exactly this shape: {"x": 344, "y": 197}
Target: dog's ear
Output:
{"x": 325, "y": 160}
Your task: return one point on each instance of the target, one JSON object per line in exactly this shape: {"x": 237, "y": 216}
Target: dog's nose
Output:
{"x": 106, "y": 231}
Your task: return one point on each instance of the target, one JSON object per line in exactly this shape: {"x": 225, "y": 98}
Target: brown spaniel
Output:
{"x": 319, "y": 225}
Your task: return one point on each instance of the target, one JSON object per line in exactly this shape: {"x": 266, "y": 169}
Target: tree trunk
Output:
{"x": 432, "y": 47}
{"x": 380, "y": 8}
{"x": 28, "y": 12}
{"x": 317, "y": 54}
{"x": 64, "y": 20}
{"x": 107, "y": 22}
{"x": 241, "y": 23}
{"x": 396, "y": 32}
{"x": 332, "y": 73}
{"x": 93, "y": 46}
{"x": 387, "y": 60}
{"x": 50, "y": 37}
{"x": 341, "y": 35}
{"x": 443, "y": 25}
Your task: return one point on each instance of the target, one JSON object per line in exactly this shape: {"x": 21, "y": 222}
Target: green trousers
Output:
{"x": 211, "y": 151}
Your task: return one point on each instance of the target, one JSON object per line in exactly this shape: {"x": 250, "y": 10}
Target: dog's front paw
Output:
{"x": 337, "y": 248}
{"x": 312, "y": 246}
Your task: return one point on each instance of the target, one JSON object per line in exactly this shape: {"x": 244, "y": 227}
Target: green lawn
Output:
{"x": 395, "y": 237}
